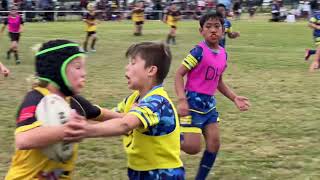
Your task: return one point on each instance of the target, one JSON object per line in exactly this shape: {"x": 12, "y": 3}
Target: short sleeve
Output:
{"x": 26, "y": 115}
{"x": 193, "y": 58}
{"x": 148, "y": 111}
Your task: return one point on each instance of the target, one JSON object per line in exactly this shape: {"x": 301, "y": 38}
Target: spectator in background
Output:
{"x": 5, "y": 5}
{"x": 251, "y": 8}
{"x": 157, "y": 7}
{"x": 47, "y": 5}
{"x": 237, "y": 9}
{"x": 201, "y": 5}
{"x": 83, "y": 4}
{"x": 275, "y": 11}
{"x": 306, "y": 9}
{"x": 226, "y": 3}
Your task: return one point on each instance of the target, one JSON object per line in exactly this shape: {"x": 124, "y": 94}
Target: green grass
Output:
{"x": 277, "y": 139}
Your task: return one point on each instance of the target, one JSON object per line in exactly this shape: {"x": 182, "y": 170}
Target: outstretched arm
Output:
{"x": 241, "y": 102}
{"x": 114, "y": 127}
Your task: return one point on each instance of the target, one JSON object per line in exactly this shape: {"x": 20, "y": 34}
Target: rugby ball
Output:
{"x": 53, "y": 110}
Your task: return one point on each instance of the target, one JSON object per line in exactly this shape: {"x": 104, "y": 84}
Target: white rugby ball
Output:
{"x": 53, "y": 110}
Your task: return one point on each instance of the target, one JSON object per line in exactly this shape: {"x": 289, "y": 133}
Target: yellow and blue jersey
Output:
{"x": 156, "y": 144}
{"x": 315, "y": 19}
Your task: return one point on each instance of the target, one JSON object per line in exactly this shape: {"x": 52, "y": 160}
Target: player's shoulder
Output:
{"x": 197, "y": 51}
{"x": 32, "y": 97}
{"x": 227, "y": 22}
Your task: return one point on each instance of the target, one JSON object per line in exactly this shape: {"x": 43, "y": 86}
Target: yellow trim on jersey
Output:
{"x": 313, "y": 20}
{"x": 228, "y": 30}
{"x": 100, "y": 117}
{"x": 190, "y": 62}
{"x": 28, "y": 127}
{"x": 43, "y": 91}
{"x": 190, "y": 130}
{"x": 200, "y": 112}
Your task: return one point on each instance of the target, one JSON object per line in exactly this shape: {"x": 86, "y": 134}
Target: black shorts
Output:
{"x": 14, "y": 36}
{"x": 139, "y": 23}
{"x": 174, "y": 27}
{"x": 90, "y": 33}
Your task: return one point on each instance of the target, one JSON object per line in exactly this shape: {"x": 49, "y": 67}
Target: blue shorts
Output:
{"x": 201, "y": 113}
{"x": 158, "y": 174}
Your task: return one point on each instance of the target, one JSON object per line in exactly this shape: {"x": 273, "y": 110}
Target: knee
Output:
{"x": 191, "y": 149}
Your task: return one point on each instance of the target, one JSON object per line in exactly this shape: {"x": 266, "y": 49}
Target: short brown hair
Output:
{"x": 154, "y": 54}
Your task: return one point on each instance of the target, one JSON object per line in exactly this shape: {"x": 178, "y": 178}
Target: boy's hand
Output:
{"x": 235, "y": 34}
{"x": 75, "y": 128}
{"x": 5, "y": 71}
{"x": 242, "y": 103}
{"x": 183, "y": 107}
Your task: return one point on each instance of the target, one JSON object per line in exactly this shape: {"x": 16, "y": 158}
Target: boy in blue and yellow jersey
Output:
{"x": 90, "y": 18}
{"x": 314, "y": 23}
{"x": 221, "y": 8}
{"x": 171, "y": 17}
{"x": 150, "y": 124}
{"x": 138, "y": 17}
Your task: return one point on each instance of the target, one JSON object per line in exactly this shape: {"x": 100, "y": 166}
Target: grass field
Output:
{"x": 277, "y": 139}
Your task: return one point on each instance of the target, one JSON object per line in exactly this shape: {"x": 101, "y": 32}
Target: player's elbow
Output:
{"x": 22, "y": 143}
{"x": 124, "y": 128}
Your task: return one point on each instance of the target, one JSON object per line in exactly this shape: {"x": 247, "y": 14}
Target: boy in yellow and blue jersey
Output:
{"x": 150, "y": 124}
{"x": 314, "y": 23}
{"x": 221, "y": 8}
{"x": 138, "y": 18}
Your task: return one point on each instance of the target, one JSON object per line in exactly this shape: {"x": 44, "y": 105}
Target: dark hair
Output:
{"x": 221, "y": 5}
{"x": 212, "y": 15}
{"x": 154, "y": 54}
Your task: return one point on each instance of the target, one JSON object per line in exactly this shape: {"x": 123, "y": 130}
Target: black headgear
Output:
{"x": 52, "y": 61}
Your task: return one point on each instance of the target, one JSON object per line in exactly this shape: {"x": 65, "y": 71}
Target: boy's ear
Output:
{"x": 153, "y": 70}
